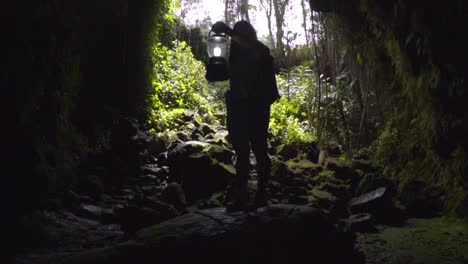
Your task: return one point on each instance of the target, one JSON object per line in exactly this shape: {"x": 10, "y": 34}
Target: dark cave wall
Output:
{"x": 423, "y": 144}
{"x": 72, "y": 69}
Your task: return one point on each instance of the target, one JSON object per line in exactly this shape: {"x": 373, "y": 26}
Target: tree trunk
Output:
{"x": 267, "y": 6}
{"x": 244, "y": 10}
{"x": 304, "y": 23}
{"x": 280, "y": 7}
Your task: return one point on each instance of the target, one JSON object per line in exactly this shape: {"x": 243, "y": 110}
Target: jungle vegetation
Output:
{"x": 372, "y": 83}
{"x": 380, "y": 80}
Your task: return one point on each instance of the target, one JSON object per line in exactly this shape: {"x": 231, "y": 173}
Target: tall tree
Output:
{"x": 244, "y": 10}
{"x": 280, "y": 8}
{"x": 304, "y": 22}
{"x": 267, "y": 5}
{"x": 229, "y": 14}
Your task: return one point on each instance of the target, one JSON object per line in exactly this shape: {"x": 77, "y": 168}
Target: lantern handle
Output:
{"x": 217, "y": 34}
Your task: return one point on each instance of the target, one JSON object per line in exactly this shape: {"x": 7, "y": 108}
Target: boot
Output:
{"x": 237, "y": 196}
{"x": 261, "y": 195}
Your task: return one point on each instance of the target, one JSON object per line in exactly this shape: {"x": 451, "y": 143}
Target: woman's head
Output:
{"x": 245, "y": 29}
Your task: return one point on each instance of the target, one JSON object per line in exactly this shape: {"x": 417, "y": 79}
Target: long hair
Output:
{"x": 247, "y": 32}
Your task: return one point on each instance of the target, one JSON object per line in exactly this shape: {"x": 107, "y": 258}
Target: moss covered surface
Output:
{"x": 416, "y": 49}
{"x": 435, "y": 240}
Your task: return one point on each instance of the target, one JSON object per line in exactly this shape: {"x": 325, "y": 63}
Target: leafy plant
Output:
{"x": 178, "y": 84}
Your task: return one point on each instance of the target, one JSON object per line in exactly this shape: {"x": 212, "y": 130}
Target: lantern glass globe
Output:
{"x": 217, "y": 46}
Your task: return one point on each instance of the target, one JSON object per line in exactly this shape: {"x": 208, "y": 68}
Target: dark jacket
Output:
{"x": 252, "y": 75}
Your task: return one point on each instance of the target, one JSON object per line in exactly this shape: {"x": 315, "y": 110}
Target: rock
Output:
{"x": 108, "y": 216}
{"x": 322, "y": 199}
{"x": 149, "y": 212}
{"x": 206, "y": 129}
{"x": 273, "y": 234}
{"x": 311, "y": 150}
{"x": 73, "y": 198}
{"x": 420, "y": 199}
{"x": 299, "y": 199}
{"x": 372, "y": 181}
{"x": 363, "y": 165}
{"x": 182, "y": 136}
{"x": 156, "y": 145}
{"x": 174, "y": 145}
{"x": 219, "y": 153}
{"x": 380, "y": 204}
{"x": 342, "y": 170}
{"x": 151, "y": 169}
{"x": 335, "y": 151}
{"x": 278, "y": 168}
{"x": 287, "y": 151}
{"x": 339, "y": 190}
{"x": 360, "y": 223}
{"x": 216, "y": 200}
{"x": 197, "y": 133}
{"x": 88, "y": 211}
{"x": 185, "y": 149}
{"x": 303, "y": 167}
{"x": 162, "y": 158}
{"x": 174, "y": 194}
{"x": 199, "y": 174}
{"x": 90, "y": 185}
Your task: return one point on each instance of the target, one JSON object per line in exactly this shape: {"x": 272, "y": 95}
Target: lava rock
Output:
{"x": 273, "y": 234}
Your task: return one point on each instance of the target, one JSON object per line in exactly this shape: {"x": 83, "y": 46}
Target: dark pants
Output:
{"x": 247, "y": 124}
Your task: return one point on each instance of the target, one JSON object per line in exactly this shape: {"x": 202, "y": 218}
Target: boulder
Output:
{"x": 156, "y": 145}
{"x": 342, "y": 170}
{"x": 219, "y": 153}
{"x": 197, "y": 135}
{"x": 90, "y": 185}
{"x": 174, "y": 194}
{"x": 303, "y": 167}
{"x": 421, "y": 199}
{"x": 287, "y": 151}
{"x": 143, "y": 212}
{"x": 207, "y": 129}
{"x": 273, "y": 234}
{"x": 88, "y": 211}
{"x": 373, "y": 181}
{"x": 379, "y": 203}
{"x": 278, "y": 167}
{"x": 362, "y": 223}
{"x": 199, "y": 174}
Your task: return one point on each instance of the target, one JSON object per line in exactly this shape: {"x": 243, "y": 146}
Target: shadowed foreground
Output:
{"x": 274, "y": 234}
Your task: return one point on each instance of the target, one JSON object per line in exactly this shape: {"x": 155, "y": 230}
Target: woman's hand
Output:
{"x": 221, "y": 27}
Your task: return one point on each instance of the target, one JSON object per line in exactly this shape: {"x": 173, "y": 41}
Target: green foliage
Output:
{"x": 178, "y": 84}
{"x": 291, "y": 115}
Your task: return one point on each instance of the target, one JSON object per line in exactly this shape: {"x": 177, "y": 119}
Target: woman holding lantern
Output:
{"x": 252, "y": 90}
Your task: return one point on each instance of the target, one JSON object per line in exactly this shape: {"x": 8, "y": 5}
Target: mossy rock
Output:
{"x": 339, "y": 190}
{"x": 287, "y": 151}
{"x": 319, "y": 195}
{"x": 363, "y": 165}
{"x": 343, "y": 170}
{"x": 200, "y": 169}
{"x": 219, "y": 153}
{"x": 327, "y": 176}
{"x": 372, "y": 181}
{"x": 278, "y": 167}
{"x": 303, "y": 167}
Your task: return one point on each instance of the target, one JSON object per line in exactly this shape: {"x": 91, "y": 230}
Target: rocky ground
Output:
{"x": 168, "y": 198}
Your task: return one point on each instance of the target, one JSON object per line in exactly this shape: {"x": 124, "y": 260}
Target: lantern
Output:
{"x": 218, "y": 50}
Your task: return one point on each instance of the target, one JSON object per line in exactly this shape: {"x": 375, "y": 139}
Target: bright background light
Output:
{"x": 215, "y": 10}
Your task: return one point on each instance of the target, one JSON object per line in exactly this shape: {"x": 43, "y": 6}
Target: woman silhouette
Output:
{"x": 252, "y": 90}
